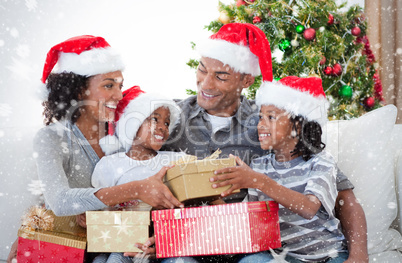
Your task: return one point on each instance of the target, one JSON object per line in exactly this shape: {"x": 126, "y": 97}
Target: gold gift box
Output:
{"x": 116, "y": 231}
{"x": 190, "y": 180}
{"x": 65, "y": 232}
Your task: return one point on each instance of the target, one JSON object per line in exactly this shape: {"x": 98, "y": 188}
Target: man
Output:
{"x": 219, "y": 117}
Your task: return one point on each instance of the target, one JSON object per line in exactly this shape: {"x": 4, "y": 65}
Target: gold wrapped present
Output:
{"x": 189, "y": 179}
{"x": 117, "y": 231}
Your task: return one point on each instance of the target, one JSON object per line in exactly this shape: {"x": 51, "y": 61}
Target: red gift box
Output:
{"x": 65, "y": 242}
{"x": 44, "y": 247}
{"x": 219, "y": 229}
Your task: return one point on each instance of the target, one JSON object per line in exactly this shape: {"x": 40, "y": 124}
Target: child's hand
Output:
{"x": 146, "y": 248}
{"x": 241, "y": 176}
{"x": 81, "y": 220}
{"x": 156, "y": 193}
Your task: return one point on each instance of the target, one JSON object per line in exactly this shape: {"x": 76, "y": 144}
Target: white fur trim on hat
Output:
{"x": 239, "y": 57}
{"x": 90, "y": 63}
{"x": 293, "y": 101}
{"x": 137, "y": 111}
{"x": 110, "y": 144}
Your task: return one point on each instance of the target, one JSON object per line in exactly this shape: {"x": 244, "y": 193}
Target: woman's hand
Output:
{"x": 81, "y": 220}
{"x": 155, "y": 193}
{"x": 241, "y": 176}
{"x": 147, "y": 248}
{"x": 12, "y": 256}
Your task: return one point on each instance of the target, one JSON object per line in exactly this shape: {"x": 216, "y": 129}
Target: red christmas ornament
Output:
{"x": 330, "y": 19}
{"x": 323, "y": 60}
{"x": 309, "y": 34}
{"x": 256, "y": 20}
{"x": 240, "y": 3}
{"x": 337, "y": 69}
{"x": 369, "y": 102}
{"x": 328, "y": 70}
{"x": 356, "y": 31}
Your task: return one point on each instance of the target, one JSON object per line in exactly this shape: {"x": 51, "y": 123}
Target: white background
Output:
{"x": 153, "y": 36}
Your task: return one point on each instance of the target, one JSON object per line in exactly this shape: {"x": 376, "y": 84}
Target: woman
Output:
{"x": 83, "y": 76}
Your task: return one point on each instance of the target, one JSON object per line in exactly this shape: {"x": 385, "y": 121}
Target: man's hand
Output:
{"x": 240, "y": 176}
{"x": 147, "y": 248}
{"x": 155, "y": 193}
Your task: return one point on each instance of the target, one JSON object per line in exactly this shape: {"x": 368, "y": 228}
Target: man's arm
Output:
{"x": 354, "y": 226}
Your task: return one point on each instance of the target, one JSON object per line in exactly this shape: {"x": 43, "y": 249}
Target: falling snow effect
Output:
{"x": 31, "y": 5}
{"x": 5, "y": 110}
{"x": 36, "y": 187}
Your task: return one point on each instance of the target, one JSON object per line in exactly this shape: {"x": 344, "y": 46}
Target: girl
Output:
{"x": 297, "y": 173}
{"x": 143, "y": 122}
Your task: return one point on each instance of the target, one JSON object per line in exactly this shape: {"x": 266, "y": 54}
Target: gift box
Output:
{"x": 117, "y": 231}
{"x": 65, "y": 242}
{"x": 219, "y": 229}
{"x": 190, "y": 180}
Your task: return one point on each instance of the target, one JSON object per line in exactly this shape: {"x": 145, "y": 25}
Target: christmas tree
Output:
{"x": 313, "y": 38}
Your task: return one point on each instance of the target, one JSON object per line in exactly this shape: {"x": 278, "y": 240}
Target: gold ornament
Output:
{"x": 224, "y": 18}
{"x": 37, "y": 218}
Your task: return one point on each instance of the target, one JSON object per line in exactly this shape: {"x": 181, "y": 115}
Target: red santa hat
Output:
{"x": 242, "y": 46}
{"x": 298, "y": 96}
{"x": 83, "y": 55}
{"x": 131, "y": 112}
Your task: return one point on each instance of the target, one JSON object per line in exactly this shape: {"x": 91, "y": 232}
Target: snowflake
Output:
{"x": 36, "y": 187}
{"x": 14, "y": 32}
{"x": 5, "y": 110}
{"x": 23, "y": 51}
{"x": 20, "y": 70}
{"x": 31, "y": 5}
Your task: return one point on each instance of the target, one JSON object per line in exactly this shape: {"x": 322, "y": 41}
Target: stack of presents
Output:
{"x": 193, "y": 231}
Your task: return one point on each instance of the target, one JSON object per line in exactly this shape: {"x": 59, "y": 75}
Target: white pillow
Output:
{"x": 362, "y": 148}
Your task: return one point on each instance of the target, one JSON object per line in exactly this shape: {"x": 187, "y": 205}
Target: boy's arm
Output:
{"x": 354, "y": 226}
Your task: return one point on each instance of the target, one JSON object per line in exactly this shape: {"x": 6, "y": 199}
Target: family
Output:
{"x": 102, "y": 146}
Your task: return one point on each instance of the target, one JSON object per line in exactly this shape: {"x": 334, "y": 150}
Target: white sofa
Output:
{"x": 368, "y": 149}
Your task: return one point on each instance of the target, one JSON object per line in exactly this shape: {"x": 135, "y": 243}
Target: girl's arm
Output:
{"x": 242, "y": 176}
{"x": 63, "y": 200}
{"x": 151, "y": 191}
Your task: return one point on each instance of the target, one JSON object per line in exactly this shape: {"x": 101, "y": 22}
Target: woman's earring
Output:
{"x": 293, "y": 133}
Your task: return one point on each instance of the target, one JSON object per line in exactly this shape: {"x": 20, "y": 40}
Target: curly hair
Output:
{"x": 309, "y": 134}
{"x": 65, "y": 90}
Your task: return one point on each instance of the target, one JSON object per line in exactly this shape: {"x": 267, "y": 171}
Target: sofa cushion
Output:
{"x": 364, "y": 152}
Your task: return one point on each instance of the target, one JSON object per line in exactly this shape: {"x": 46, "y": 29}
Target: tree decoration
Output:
{"x": 330, "y": 19}
{"x": 256, "y": 20}
{"x": 356, "y": 31}
{"x": 369, "y": 102}
{"x": 328, "y": 70}
{"x": 309, "y": 34}
{"x": 284, "y": 45}
{"x": 319, "y": 52}
{"x": 224, "y": 18}
{"x": 323, "y": 60}
{"x": 299, "y": 29}
{"x": 337, "y": 69}
{"x": 240, "y": 3}
{"x": 346, "y": 92}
